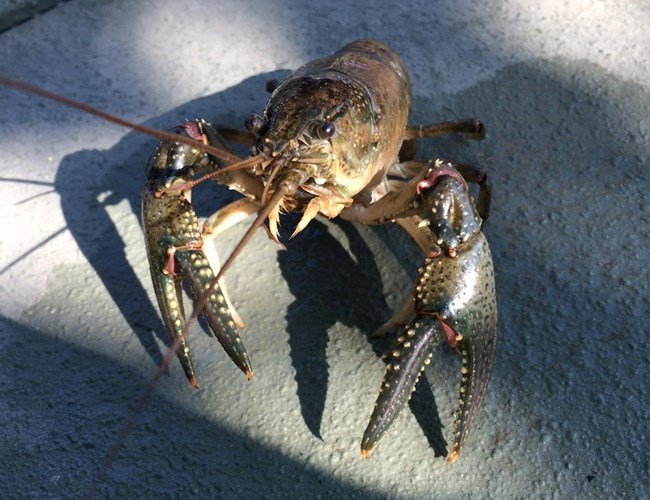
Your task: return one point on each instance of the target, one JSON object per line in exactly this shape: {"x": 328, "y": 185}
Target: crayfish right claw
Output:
{"x": 175, "y": 251}
{"x": 461, "y": 313}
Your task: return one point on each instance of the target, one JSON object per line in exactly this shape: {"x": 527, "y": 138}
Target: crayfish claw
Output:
{"x": 175, "y": 248}
{"x": 169, "y": 293}
{"x": 477, "y": 358}
{"x": 190, "y": 263}
{"x": 406, "y": 362}
{"x": 454, "y": 302}
{"x": 461, "y": 313}
{"x": 195, "y": 267}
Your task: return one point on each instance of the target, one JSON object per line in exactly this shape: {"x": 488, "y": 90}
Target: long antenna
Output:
{"x": 168, "y": 136}
{"x": 237, "y": 164}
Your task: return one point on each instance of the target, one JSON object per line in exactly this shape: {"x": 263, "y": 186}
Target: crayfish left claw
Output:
{"x": 405, "y": 365}
{"x": 195, "y": 267}
{"x": 174, "y": 246}
{"x": 169, "y": 292}
{"x": 454, "y": 301}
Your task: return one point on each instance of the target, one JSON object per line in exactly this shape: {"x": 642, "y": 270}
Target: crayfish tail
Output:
{"x": 406, "y": 362}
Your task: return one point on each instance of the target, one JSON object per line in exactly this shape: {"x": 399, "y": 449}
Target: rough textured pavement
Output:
{"x": 564, "y": 88}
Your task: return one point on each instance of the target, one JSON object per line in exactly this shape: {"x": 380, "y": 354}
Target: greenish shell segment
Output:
{"x": 461, "y": 290}
{"x": 405, "y": 363}
{"x": 454, "y": 301}
{"x": 174, "y": 243}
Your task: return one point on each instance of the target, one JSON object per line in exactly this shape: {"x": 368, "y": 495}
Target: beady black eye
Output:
{"x": 254, "y": 123}
{"x": 326, "y": 130}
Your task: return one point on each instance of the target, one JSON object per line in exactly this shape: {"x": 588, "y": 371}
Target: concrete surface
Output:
{"x": 564, "y": 88}
{"x": 14, "y": 12}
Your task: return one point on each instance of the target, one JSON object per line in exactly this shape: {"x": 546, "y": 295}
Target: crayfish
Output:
{"x": 333, "y": 140}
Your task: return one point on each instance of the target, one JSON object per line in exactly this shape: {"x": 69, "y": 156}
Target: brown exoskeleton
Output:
{"x": 328, "y": 143}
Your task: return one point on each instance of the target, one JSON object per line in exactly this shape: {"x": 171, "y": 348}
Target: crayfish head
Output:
{"x": 320, "y": 129}
{"x": 305, "y": 191}
{"x": 286, "y": 193}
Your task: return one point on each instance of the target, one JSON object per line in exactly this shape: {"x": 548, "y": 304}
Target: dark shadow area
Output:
{"x": 21, "y": 12}
{"x": 331, "y": 285}
{"x": 84, "y": 200}
{"x": 569, "y": 165}
{"x": 66, "y": 406}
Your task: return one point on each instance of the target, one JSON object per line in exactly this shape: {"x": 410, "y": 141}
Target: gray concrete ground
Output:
{"x": 564, "y": 88}
{"x": 14, "y": 12}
